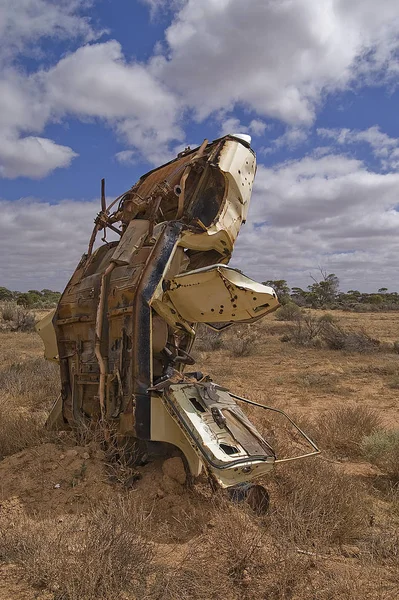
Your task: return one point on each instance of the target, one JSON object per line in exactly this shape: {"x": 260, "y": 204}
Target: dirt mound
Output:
{"x": 54, "y": 480}
{"x": 49, "y": 479}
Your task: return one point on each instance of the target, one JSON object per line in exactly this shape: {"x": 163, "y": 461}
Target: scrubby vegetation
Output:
{"x": 310, "y": 329}
{"x": 16, "y": 318}
{"x": 342, "y": 430}
{"x": 324, "y": 293}
{"x": 330, "y": 532}
{"x": 27, "y": 391}
{"x": 30, "y": 299}
{"x": 382, "y": 448}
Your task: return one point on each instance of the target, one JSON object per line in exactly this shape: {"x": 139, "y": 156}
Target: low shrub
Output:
{"x": 17, "y": 318}
{"x": 306, "y": 330}
{"x": 288, "y": 312}
{"x": 208, "y": 339}
{"x": 382, "y": 448}
{"x": 310, "y": 330}
{"x": 336, "y": 338}
{"x": 316, "y": 505}
{"x": 243, "y": 341}
{"x": 327, "y": 318}
{"x": 8, "y": 311}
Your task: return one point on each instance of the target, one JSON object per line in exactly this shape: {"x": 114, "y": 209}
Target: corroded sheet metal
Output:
{"x": 126, "y": 321}
{"x": 219, "y": 294}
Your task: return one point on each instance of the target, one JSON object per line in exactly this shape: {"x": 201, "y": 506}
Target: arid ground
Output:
{"x": 77, "y": 523}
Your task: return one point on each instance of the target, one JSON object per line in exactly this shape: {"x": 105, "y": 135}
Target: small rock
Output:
{"x": 62, "y": 456}
{"x": 350, "y": 551}
{"x": 211, "y": 525}
{"x": 171, "y": 486}
{"x": 246, "y": 578}
{"x": 57, "y": 486}
{"x": 71, "y": 453}
{"x": 86, "y": 455}
{"x": 174, "y": 468}
{"x": 160, "y": 494}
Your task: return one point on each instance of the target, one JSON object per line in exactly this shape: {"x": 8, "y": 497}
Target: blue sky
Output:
{"x": 110, "y": 88}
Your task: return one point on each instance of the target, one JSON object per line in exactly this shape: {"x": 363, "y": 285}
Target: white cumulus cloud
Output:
{"x": 278, "y": 57}
{"x": 32, "y": 156}
{"x": 43, "y": 242}
{"x": 330, "y": 211}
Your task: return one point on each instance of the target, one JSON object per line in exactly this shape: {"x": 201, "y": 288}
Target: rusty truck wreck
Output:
{"x": 126, "y": 322}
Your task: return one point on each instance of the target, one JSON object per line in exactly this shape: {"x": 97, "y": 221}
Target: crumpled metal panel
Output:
{"x": 126, "y": 321}
{"x": 220, "y": 294}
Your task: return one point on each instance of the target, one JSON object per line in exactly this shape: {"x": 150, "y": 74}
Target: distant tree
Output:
{"x": 383, "y": 290}
{"x": 24, "y": 299}
{"x": 325, "y": 291}
{"x": 300, "y": 296}
{"x": 375, "y": 299}
{"x": 6, "y": 294}
{"x": 281, "y": 288}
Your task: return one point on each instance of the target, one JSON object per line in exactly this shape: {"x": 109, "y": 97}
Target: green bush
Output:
{"x": 17, "y": 318}
{"x": 382, "y": 449}
{"x": 288, "y": 312}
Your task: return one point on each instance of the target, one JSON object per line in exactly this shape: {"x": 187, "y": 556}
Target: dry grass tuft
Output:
{"x": 19, "y": 430}
{"x": 394, "y": 383}
{"x": 328, "y": 382}
{"x": 194, "y": 574}
{"x": 242, "y": 341}
{"x": 383, "y": 545}
{"x": 28, "y": 390}
{"x": 342, "y": 429}
{"x": 316, "y": 506}
{"x": 207, "y": 339}
{"x": 35, "y": 381}
{"x": 95, "y": 558}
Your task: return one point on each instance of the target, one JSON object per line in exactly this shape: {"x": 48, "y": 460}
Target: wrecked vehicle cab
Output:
{"x": 126, "y": 322}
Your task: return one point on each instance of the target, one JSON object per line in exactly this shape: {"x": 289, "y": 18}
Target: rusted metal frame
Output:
{"x": 107, "y": 224}
{"x": 70, "y": 320}
{"x": 102, "y": 216}
{"x": 98, "y": 338}
{"x": 142, "y": 347}
{"x": 152, "y": 217}
{"x": 93, "y": 236}
{"x": 66, "y": 387}
{"x": 186, "y": 172}
{"x": 281, "y": 412}
{"x": 193, "y": 200}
